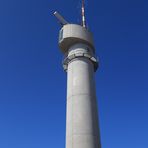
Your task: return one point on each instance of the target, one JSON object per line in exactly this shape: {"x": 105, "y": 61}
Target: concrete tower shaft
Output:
{"x": 82, "y": 130}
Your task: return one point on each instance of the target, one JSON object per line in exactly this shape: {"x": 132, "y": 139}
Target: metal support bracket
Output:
{"x": 68, "y": 59}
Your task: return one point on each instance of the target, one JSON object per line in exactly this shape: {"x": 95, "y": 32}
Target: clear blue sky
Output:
{"x": 33, "y": 83}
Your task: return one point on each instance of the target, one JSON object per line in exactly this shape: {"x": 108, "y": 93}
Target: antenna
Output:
{"x": 60, "y": 18}
{"x": 83, "y": 14}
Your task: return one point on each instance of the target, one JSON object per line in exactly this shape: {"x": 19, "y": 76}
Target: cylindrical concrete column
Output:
{"x": 82, "y": 120}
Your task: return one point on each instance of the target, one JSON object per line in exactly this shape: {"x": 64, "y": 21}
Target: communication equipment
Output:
{"x": 60, "y": 18}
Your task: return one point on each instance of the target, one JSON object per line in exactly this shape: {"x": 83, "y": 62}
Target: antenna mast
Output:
{"x": 83, "y": 14}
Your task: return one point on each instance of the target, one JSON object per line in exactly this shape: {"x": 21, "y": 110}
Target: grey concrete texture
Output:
{"x": 82, "y": 130}
{"x": 76, "y": 51}
{"x": 72, "y": 34}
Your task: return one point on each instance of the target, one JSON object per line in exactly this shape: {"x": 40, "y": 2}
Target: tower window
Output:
{"x": 61, "y": 35}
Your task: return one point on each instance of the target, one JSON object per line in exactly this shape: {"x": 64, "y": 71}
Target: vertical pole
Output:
{"x": 83, "y": 14}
